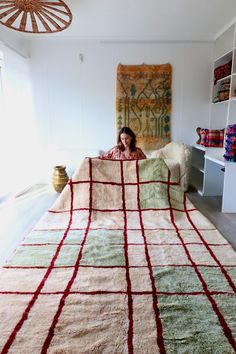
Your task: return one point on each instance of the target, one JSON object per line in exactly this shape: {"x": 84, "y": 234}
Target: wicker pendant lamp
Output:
{"x": 35, "y": 16}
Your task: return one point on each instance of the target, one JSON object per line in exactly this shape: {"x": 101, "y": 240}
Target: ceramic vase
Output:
{"x": 59, "y": 178}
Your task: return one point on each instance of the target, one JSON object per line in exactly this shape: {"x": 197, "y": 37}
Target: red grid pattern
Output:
{"x": 154, "y": 292}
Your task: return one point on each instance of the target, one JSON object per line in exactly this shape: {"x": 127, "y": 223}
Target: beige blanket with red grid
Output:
{"x": 122, "y": 263}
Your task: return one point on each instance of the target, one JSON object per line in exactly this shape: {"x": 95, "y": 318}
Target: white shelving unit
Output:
{"x": 211, "y": 175}
{"x": 207, "y": 172}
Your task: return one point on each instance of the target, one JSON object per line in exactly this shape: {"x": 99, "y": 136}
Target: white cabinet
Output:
{"x": 229, "y": 190}
{"x": 211, "y": 175}
{"x": 207, "y": 171}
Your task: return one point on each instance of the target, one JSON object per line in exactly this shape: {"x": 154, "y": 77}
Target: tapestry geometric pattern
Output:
{"x": 143, "y": 102}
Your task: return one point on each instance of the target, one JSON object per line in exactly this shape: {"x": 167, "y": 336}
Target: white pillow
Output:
{"x": 155, "y": 153}
{"x": 181, "y": 154}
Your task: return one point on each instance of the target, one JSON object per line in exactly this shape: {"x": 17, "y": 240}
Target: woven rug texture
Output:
{"x": 121, "y": 263}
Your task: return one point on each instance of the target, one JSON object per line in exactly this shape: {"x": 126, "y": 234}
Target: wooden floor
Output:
{"x": 19, "y": 215}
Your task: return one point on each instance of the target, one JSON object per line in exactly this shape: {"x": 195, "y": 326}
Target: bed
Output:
{"x": 121, "y": 263}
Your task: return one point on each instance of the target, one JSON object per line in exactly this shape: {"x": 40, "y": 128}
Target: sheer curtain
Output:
{"x": 18, "y": 141}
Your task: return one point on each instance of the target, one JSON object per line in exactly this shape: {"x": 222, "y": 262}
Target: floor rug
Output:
{"x": 121, "y": 263}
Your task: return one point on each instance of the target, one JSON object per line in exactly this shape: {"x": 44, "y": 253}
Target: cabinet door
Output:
{"x": 213, "y": 178}
{"x": 229, "y": 193}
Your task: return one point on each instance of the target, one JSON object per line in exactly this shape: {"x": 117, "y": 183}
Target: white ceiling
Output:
{"x": 162, "y": 20}
{"x": 145, "y": 20}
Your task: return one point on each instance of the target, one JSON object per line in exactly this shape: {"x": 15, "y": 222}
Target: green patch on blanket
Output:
{"x": 176, "y": 197}
{"x": 68, "y": 255}
{"x": 107, "y": 236}
{"x": 41, "y": 256}
{"x": 33, "y": 256}
{"x": 153, "y": 196}
{"x": 232, "y": 272}
{"x": 44, "y": 236}
{"x": 215, "y": 279}
{"x": 153, "y": 170}
{"x": 176, "y": 279}
{"x": 104, "y": 248}
{"x": 184, "y": 279}
{"x": 103, "y": 255}
{"x": 227, "y": 306}
{"x": 74, "y": 236}
{"x": 190, "y": 326}
{"x": 54, "y": 236}
{"x": 99, "y": 248}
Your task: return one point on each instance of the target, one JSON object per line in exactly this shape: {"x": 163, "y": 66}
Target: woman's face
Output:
{"x": 125, "y": 139}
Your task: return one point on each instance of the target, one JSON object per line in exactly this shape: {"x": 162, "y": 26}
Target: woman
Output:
{"x": 126, "y": 147}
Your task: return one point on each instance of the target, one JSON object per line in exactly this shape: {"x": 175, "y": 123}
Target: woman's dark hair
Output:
{"x": 128, "y": 131}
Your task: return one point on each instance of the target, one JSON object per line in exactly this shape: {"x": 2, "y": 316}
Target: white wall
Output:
{"x": 13, "y": 40}
{"x": 75, "y": 100}
{"x": 18, "y": 136}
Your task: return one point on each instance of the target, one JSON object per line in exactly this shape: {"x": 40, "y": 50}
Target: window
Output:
{"x": 18, "y": 138}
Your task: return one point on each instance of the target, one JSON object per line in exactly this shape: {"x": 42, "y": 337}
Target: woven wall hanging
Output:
{"x": 35, "y": 16}
{"x": 143, "y": 103}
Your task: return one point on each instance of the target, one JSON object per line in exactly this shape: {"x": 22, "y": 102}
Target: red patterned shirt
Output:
{"x": 116, "y": 154}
